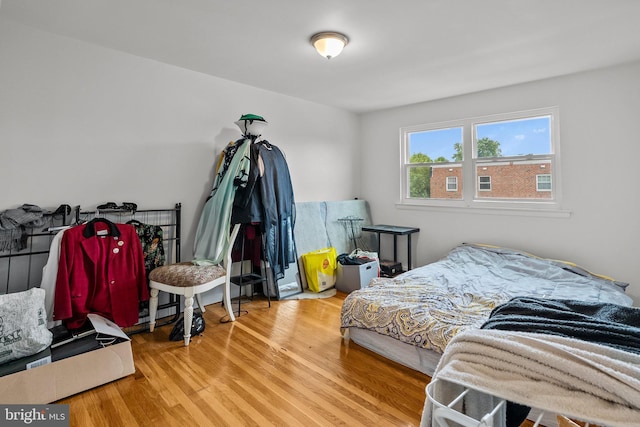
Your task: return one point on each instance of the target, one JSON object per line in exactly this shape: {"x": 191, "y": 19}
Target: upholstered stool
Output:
{"x": 191, "y": 280}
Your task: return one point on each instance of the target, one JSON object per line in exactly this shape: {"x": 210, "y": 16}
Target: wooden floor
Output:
{"x": 286, "y": 365}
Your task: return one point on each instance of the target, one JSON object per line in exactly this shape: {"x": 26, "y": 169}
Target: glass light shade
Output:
{"x": 329, "y": 44}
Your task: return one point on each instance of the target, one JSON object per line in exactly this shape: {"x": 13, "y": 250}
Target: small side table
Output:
{"x": 396, "y": 231}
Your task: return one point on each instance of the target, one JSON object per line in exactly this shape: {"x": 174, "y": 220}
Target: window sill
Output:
{"x": 483, "y": 208}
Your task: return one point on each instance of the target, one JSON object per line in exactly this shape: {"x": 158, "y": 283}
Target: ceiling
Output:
{"x": 400, "y": 52}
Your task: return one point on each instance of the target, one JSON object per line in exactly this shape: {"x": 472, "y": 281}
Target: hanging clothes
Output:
{"x": 212, "y": 234}
{"x": 152, "y": 247}
{"x": 13, "y": 223}
{"x": 253, "y": 186}
{"x": 247, "y": 204}
{"x": 270, "y": 202}
{"x": 248, "y": 245}
{"x": 279, "y": 209}
{"x": 101, "y": 270}
{"x": 49, "y": 276}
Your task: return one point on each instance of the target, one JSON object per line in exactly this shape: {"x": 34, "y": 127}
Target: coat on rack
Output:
{"x": 101, "y": 270}
{"x": 278, "y": 206}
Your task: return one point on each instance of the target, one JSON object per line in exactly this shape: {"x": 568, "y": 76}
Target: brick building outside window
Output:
{"x": 501, "y": 180}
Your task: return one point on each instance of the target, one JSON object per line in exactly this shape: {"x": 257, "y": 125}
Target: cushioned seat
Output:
{"x": 185, "y": 274}
{"x": 191, "y": 280}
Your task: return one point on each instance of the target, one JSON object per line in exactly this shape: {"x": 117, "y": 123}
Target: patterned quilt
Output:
{"x": 428, "y": 306}
{"x": 422, "y": 314}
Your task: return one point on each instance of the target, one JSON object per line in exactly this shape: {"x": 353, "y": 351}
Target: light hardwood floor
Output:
{"x": 286, "y": 365}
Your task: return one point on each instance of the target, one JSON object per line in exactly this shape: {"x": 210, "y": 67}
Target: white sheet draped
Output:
{"x": 559, "y": 375}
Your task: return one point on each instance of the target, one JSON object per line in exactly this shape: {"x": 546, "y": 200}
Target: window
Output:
{"x": 501, "y": 161}
{"x": 543, "y": 182}
{"x": 452, "y": 183}
{"x": 430, "y": 164}
{"x": 484, "y": 183}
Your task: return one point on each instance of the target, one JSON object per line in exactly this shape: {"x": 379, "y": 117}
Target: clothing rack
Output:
{"x": 21, "y": 268}
{"x": 169, "y": 220}
{"x": 251, "y": 278}
{"x": 353, "y": 227}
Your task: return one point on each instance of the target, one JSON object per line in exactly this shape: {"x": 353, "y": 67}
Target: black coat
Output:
{"x": 269, "y": 200}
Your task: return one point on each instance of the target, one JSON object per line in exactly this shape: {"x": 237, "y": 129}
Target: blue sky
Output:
{"x": 516, "y": 137}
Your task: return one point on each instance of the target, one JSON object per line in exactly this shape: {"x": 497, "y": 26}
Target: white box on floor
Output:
{"x": 65, "y": 377}
{"x": 57, "y": 380}
{"x": 352, "y": 277}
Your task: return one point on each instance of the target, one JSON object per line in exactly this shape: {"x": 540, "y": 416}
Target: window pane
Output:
{"x": 484, "y": 183}
{"x": 435, "y": 182}
{"x": 514, "y": 137}
{"x": 440, "y": 145}
{"x": 419, "y": 182}
{"x": 544, "y": 182}
{"x": 446, "y": 181}
{"x": 514, "y": 179}
{"x": 452, "y": 183}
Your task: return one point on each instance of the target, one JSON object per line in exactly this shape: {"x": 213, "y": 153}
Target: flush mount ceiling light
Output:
{"x": 329, "y": 43}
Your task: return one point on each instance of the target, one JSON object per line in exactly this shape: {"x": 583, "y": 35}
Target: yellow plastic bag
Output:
{"x": 320, "y": 268}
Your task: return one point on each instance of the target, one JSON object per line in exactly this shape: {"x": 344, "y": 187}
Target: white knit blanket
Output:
{"x": 559, "y": 375}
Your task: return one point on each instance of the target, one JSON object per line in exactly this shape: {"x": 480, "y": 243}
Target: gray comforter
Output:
{"x": 481, "y": 269}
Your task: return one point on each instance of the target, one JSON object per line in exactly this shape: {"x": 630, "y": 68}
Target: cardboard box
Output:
{"x": 29, "y": 362}
{"x": 352, "y": 277}
{"x": 54, "y": 381}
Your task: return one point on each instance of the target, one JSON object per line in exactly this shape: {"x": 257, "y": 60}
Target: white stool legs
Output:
{"x": 199, "y": 300}
{"x": 188, "y": 318}
{"x": 153, "y": 308}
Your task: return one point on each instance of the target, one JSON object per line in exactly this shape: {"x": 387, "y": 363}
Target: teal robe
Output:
{"x": 212, "y": 235}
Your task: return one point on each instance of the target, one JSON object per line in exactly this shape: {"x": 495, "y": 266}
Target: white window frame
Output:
{"x": 480, "y": 183}
{"x": 470, "y": 200}
{"x": 455, "y": 183}
{"x": 538, "y": 182}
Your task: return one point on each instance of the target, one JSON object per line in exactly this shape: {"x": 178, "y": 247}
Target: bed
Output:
{"x": 412, "y": 317}
{"x": 579, "y": 359}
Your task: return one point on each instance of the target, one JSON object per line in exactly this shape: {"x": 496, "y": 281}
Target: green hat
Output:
{"x": 252, "y": 117}
{"x": 251, "y": 124}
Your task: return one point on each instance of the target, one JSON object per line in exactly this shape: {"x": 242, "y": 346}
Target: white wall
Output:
{"x": 81, "y": 124}
{"x": 600, "y": 148}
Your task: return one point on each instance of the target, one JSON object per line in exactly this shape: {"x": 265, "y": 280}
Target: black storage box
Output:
{"x": 390, "y": 268}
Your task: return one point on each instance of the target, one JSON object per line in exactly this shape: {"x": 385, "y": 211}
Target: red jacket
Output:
{"x": 101, "y": 270}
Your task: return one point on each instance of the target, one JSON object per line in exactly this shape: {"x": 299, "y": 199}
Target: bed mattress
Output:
{"x": 426, "y": 307}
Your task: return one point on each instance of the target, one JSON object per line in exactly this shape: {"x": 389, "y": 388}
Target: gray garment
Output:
{"x": 278, "y": 209}
{"x": 13, "y": 222}
{"x": 27, "y": 215}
